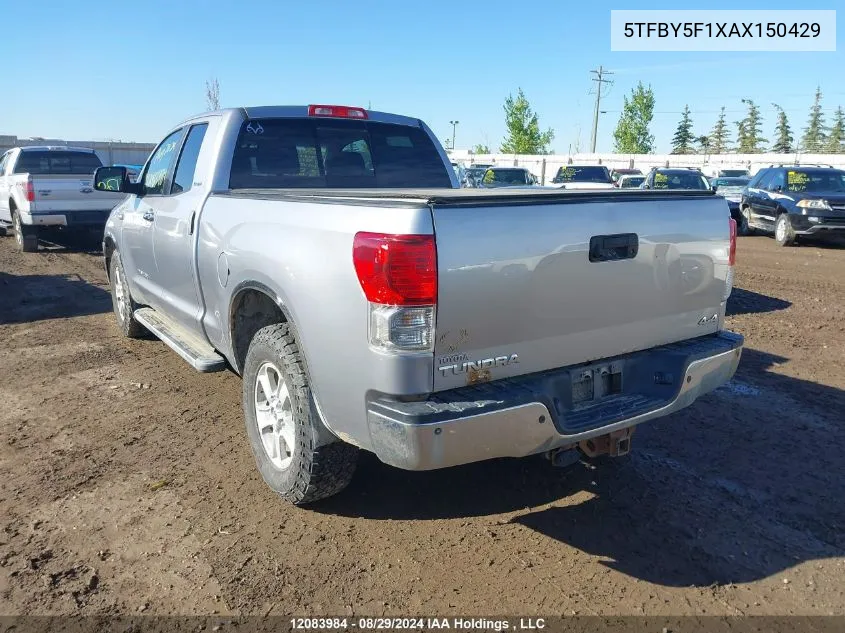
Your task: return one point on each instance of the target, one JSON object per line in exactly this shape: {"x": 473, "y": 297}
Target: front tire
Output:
{"x": 26, "y": 237}
{"x": 294, "y": 452}
{"x": 743, "y": 226}
{"x": 784, "y": 233}
{"x": 124, "y": 306}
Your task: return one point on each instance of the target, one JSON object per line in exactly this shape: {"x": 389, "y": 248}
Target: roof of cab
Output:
{"x": 301, "y": 111}
{"x": 55, "y": 148}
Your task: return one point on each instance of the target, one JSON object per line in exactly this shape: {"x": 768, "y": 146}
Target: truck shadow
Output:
{"x": 714, "y": 494}
{"x": 67, "y": 241}
{"x": 748, "y": 302}
{"x": 25, "y": 298}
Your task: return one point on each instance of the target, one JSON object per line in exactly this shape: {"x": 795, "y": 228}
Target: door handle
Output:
{"x": 149, "y": 216}
{"x": 191, "y": 225}
{"x": 606, "y": 248}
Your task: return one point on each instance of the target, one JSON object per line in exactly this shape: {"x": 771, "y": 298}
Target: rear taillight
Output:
{"x": 343, "y": 112}
{"x": 29, "y": 190}
{"x": 729, "y": 278}
{"x": 398, "y": 274}
{"x": 732, "y": 251}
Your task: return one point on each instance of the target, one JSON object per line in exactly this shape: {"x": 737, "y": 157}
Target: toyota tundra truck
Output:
{"x": 50, "y": 187}
{"x": 327, "y": 255}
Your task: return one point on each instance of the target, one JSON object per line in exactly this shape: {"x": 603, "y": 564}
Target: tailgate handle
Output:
{"x": 608, "y": 248}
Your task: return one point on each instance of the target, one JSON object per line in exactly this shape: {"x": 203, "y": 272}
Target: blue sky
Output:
{"x": 131, "y": 70}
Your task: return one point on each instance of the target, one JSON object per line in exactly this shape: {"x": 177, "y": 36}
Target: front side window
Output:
{"x": 777, "y": 181}
{"x": 161, "y": 164}
{"x": 183, "y": 179}
{"x": 764, "y": 181}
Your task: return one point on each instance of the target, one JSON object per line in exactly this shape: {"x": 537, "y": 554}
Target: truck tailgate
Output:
{"x": 520, "y": 290}
{"x": 62, "y": 193}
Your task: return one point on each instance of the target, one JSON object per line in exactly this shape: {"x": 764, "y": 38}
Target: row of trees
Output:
{"x": 632, "y": 134}
{"x": 817, "y": 137}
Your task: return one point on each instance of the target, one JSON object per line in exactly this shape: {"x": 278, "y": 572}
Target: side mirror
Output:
{"x": 114, "y": 179}
{"x": 714, "y": 188}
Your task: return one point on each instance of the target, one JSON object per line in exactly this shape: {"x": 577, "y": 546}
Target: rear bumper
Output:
{"x": 67, "y": 218}
{"x": 533, "y": 414}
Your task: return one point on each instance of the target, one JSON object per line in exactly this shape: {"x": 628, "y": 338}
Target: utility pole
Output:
{"x": 599, "y": 79}
{"x": 454, "y": 125}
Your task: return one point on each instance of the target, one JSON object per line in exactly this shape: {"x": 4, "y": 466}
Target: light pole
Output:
{"x": 454, "y": 125}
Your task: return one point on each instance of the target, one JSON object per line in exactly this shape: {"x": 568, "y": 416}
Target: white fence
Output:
{"x": 546, "y": 166}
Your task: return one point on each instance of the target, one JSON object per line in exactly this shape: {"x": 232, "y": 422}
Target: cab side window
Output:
{"x": 183, "y": 180}
{"x": 161, "y": 164}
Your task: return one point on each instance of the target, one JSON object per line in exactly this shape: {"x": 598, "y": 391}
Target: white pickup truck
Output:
{"x": 327, "y": 255}
{"x": 44, "y": 187}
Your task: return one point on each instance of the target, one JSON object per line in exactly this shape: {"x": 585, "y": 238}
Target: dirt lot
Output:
{"x": 128, "y": 485}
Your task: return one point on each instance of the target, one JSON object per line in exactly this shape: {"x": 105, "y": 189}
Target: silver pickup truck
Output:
{"x": 327, "y": 255}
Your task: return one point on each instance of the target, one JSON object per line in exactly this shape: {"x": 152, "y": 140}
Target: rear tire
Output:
{"x": 743, "y": 227}
{"x": 121, "y": 299}
{"x": 784, "y": 233}
{"x": 26, "y": 236}
{"x": 294, "y": 452}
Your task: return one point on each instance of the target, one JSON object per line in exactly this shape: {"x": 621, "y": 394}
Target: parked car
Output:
{"x": 472, "y": 176}
{"x": 582, "y": 177}
{"x": 731, "y": 190}
{"x": 676, "y": 179}
{"x": 718, "y": 172}
{"x": 629, "y": 181}
{"x": 616, "y": 174}
{"x": 507, "y": 177}
{"x": 789, "y": 202}
{"x": 430, "y": 325}
{"x": 46, "y": 187}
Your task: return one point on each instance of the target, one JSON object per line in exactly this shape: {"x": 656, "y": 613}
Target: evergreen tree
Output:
{"x": 719, "y": 135}
{"x": 683, "y": 139}
{"x": 815, "y": 138}
{"x": 783, "y": 133}
{"x": 749, "y": 139}
{"x": 836, "y": 138}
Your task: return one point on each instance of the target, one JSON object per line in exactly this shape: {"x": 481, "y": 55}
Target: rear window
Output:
{"x": 582, "y": 174}
{"x": 632, "y": 181}
{"x": 57, "y": 162}
{"x": 679, "y": 180}
{"x": 334, "y": 153}
{"x": 500, "y": 176}
{"x": 733, "y": 173}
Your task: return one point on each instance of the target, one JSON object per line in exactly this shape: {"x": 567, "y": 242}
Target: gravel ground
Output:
{"x": 128, "y": 486}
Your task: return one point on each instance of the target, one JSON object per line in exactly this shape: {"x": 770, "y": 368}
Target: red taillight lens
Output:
{"x": 30, "y": 191}
{"x": 396, "y": 269}
{"x": 732, "y": 251}
{"x": 343, "y": 112}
